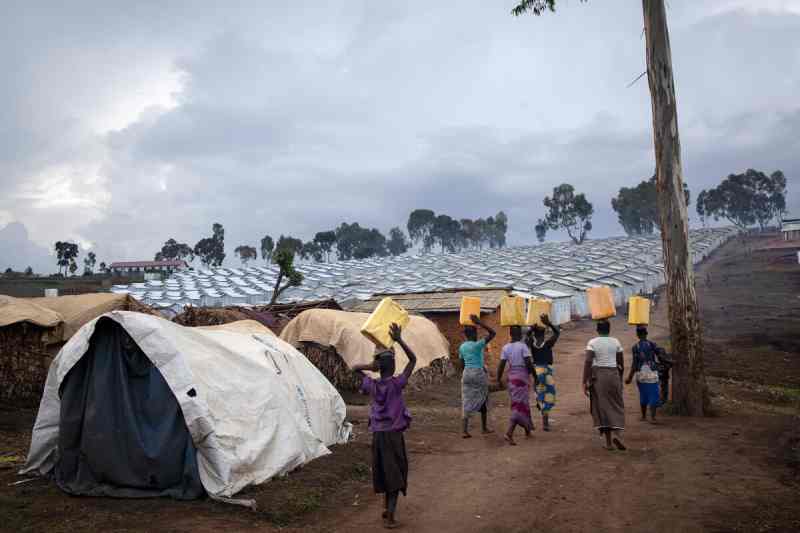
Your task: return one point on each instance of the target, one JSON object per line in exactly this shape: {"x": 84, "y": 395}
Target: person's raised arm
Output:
{"x": 490, "y": 333}
{"x": 396, "y": 333}
{"x": 555, "y": 329}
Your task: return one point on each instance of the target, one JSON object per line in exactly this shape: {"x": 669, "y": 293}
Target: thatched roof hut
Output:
{"x": 33, "y": 330}
{"x": 332, "y": 340}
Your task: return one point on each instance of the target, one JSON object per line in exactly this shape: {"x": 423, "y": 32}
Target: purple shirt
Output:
{"x": 388, "y": 410}
{"x": 515, "y": 353}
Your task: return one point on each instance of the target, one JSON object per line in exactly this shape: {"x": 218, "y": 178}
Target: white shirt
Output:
{"x": 605, "y": 351}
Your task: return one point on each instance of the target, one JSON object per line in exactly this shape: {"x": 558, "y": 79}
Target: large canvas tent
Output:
{"x": 137, "y": 406}
{"x": 332, "y": 340}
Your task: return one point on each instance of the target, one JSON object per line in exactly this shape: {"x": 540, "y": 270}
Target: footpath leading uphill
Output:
{"x": 681, "y": 474}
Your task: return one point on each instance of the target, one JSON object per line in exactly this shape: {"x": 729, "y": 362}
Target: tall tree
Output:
{"x": 267, "y": 247}
{"x": 89, "y": 262}
{"x": 355, "y": 242}
{"x": 313, "y": 251}
{"x": 566, "y": 211}
{"x": 746, "y": 199}
{"x": 246, "y": 253}
{"x": 326, "y": 240}
{"x": 690, "y": 390}
{"x": 103, "y": 267}
{"x": 29, "y": 271}
{"x": 173, "y": 249}
{"x": 420, "y": 228}
{"x": 398, "y": 243}
{"x": 211, "y": 250}
{"x": 498, "y": 231}
{"x": 446, "y": 233}
{"x": 66, "y": 254}
{"x": 292, "y": 244}
{"x": 637, "y": 207}
{"x": 284, "y": 258}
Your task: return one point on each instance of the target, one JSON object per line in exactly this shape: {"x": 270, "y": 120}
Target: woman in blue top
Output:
{"x": 475, "y": 379}
{"x": 645, "y": 367}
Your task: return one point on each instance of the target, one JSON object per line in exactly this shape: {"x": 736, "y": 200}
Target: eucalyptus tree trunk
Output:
{"x": 690, "y": 391}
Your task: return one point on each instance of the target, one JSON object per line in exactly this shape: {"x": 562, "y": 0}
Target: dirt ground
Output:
{"x": 736, "y": 471}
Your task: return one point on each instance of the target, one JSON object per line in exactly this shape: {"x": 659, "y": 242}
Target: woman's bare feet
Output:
{"x": 619, "y": 444}
{"x": 466, "y": 435}
{"x": 487, "y": 431}
{"x": 510, "y": 440}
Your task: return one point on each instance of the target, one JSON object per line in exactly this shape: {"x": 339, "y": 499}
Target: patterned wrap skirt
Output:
{"x": 545, "y": 388}
{"x": 519, "y": 394}
{"x": 474, "y": 390}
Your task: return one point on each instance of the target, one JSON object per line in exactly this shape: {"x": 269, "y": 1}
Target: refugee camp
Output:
{"x": 527, "y": 265}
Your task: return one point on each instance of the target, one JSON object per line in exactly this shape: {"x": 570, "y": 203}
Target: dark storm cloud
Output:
{"x": 291, "y": 119}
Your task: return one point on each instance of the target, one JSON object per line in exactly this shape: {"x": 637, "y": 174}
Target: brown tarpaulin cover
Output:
{"x": 72, "y": 311}
{"x": 14, "y": 310}
{"x": 342, "y": 331}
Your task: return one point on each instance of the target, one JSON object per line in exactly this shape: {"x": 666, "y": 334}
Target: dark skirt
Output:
{"x": 608, "y": 407}
{"x": 389, "y": 462}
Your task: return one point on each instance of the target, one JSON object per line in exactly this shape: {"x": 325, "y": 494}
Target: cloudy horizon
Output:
{"x": 123, "y": 125}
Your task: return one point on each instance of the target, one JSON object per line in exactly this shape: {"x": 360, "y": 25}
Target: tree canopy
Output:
{"x": 427, "y": 228}
{"x": 173, "y": 249}
{"x": 211, "y": 250}
{"x": 292, "y": 244}
{"x": 284, "y": 258}
{"x": 566, "y": 211}
{"x": 88, "y": 263}
{"x": 637, "y": 207}
{"x": 312, "y": 250}
{"x": 325, "y": 240}
{"x": 745, "y": 199}
{"x": 267, "y": 247}
{"x": 246, "y": 253}
{"x": 398, "y": 243}
{"x": 66, "y": 254}
{"x": 420, "y": 228}
{"x": 355, "y": 242}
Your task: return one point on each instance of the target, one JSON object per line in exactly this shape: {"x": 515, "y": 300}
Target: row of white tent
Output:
{"x": 631, "y": 265}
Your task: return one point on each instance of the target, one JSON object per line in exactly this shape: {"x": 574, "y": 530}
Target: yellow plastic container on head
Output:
{"x": 638, "y": 310}
{"x": 601, "y": 302}
{"x": 469, "y": 306}
{"x": 512, "y": 311}
{"x": 376, "y": 327}
{"x": 536, "y": 308}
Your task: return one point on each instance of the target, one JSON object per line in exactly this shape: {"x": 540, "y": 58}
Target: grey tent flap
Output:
{"x": 121, "y": 431}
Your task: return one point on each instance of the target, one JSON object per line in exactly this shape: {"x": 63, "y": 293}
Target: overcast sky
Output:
{"x": 123, "y": 124}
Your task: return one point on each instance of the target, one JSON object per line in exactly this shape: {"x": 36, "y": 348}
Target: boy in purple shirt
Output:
{"x": 388, "y": 419}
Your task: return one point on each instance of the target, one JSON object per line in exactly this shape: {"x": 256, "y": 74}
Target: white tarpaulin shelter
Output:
{"x": 254, "y": 406}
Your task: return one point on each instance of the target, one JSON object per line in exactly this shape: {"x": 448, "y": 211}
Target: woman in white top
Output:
{"x": 602, "y": 383}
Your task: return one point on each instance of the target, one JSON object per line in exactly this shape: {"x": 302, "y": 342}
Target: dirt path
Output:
{"x": 732, "y": 472}
{"x": 683, "y": 474}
